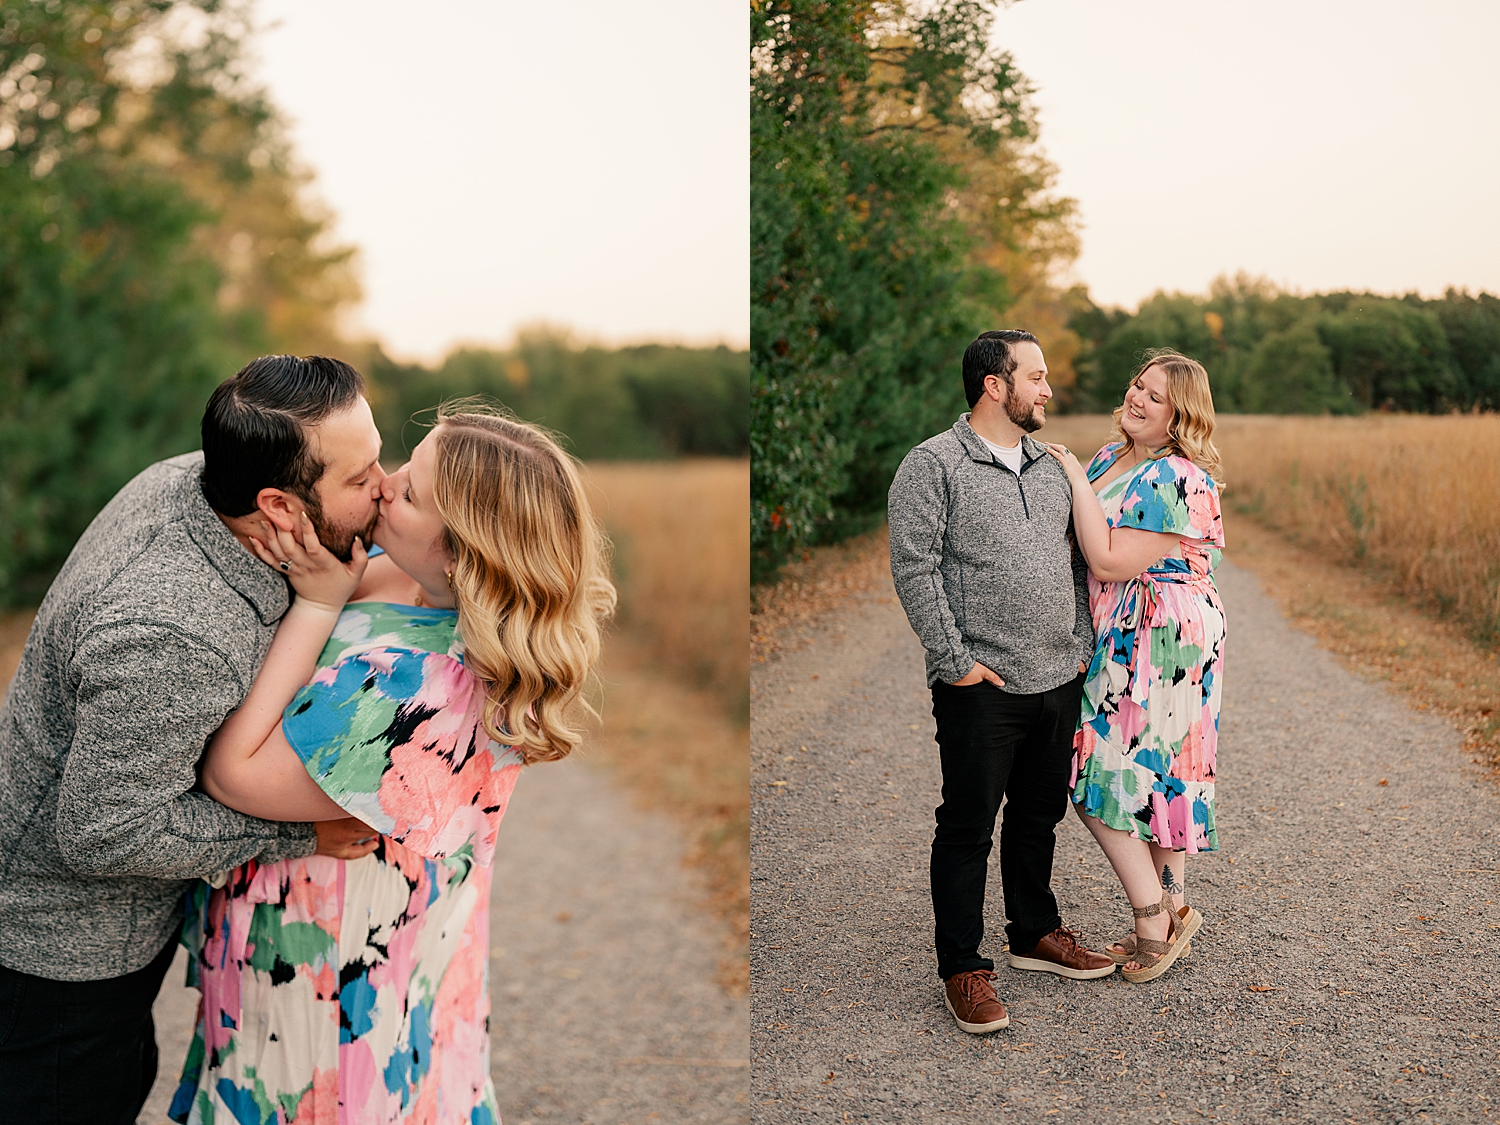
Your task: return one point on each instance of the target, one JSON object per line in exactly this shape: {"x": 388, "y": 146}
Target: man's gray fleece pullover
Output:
{"x": 150, "y": 636}
{"x": 983, "y": 565}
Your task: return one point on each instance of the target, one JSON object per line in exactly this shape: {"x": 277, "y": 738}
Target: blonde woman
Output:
{"x": 356, "y": 991}
{"x": 1146, "y": 514}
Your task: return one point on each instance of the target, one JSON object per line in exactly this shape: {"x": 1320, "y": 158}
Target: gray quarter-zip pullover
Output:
{"x": 150, "y": 635}
{"x": 982, "y": 563}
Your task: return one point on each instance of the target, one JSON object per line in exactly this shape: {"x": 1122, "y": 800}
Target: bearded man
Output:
{"x": 149, "y": 636}
{"x": 982, "y": 562}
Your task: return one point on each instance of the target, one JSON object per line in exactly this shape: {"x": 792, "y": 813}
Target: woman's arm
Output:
{"x": 249, "y": 766}
{"x": 1114, "y": 554}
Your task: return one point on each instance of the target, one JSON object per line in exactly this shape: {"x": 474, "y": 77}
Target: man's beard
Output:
{"x": 1025, "y": 417}
{"x": 339, "y": 541}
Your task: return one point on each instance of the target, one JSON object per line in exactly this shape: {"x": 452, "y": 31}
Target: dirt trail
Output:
{"x": 1345, "y": 971}
{"x": 607, "y": 1006}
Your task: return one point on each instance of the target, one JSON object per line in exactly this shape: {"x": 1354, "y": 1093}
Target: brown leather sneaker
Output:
{"x": 1061, "y": 952}
{"x": 972, "y": 1000}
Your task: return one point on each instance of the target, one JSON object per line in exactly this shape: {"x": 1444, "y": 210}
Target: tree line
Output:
{"x": 156, "y": 233}
{"x": 899, "y": 204}
{"x": 1273, "y": 352}
{"x": 644, "y": 402}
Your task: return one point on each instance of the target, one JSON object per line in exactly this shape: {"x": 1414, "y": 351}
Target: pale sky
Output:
{"x": 1324, "y": 144}
{"x": 581, "y": 162}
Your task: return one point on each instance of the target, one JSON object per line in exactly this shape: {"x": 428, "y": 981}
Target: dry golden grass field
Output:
{"x": 681, "y": 533}
{"x": 676, "y": 672}
{"x": 1412, "y": 495}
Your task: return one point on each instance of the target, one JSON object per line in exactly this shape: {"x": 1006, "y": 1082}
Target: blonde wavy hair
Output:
{"x": 531, "y": 576}
{"x": 1191, "y": 433}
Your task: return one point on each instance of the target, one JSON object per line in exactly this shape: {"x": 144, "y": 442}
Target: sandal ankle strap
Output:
{"x": 1149, "y": 911}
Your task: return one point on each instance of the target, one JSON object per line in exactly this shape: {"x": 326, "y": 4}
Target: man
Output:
{"x": 150, "y": 635}
{"x": 980, "y": 555}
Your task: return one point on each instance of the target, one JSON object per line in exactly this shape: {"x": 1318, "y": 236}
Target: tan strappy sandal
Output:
{"x": 1156, "y": 957}
{"x": 1127, "y": 943}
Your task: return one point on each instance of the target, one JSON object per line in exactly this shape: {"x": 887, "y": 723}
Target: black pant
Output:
{"x": 78, "y": 1052}
{"x": 996, "y": 745}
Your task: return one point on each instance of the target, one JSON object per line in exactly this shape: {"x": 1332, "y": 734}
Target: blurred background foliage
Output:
{"x": 156, "y": 233}
{"x": 1273, "y": 352}
{"x": 898, "y": 205}
{"x": 632, "y": 403}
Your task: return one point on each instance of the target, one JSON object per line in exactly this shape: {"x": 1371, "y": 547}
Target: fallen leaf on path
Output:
{"x": 1263, "y": 988}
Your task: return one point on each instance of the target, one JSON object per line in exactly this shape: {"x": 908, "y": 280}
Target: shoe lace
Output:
{"x": 977, "y": 985}
{"x": 1068, "y": 939}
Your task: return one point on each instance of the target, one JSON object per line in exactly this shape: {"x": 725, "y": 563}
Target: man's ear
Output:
{"x": 281, "y": 508}
{"x": 997, "y": 389}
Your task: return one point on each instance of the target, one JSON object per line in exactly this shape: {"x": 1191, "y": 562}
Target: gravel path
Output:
{"x": 1346, "y": 969}
{"x": 606, "y": 1005}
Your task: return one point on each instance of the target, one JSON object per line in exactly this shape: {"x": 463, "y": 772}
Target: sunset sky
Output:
{"x": 585, "y": 163}
{"x": 1337, "y": 144}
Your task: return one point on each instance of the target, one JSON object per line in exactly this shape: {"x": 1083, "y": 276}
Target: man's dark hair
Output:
{"x": 991, "y": 354}
{"x": 255, "y": 428}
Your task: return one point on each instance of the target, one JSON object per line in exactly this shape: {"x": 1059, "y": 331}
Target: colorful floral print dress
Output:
{"x": 1144, "y": 754}
{"x": 345, "y": 993}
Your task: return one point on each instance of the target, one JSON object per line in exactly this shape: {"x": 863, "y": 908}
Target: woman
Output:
{"x": 1146, "y": 514}
{"x": 357, "y": 991}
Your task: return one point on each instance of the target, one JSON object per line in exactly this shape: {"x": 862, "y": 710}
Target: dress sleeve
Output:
{"x": 1176, "y": 496}
{"x": 1101, "y": 460}
{"x": 394, "y": 737}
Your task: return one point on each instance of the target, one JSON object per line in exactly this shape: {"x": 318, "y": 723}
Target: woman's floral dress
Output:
{"x": 1144, "y": 754}
{"x": 338, "y": 992}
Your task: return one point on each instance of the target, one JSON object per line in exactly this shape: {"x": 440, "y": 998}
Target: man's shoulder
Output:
{"x": 942, "y": 448}
{"x": 145, "y": 502}
{"x": 138, "y": 562}
{"x": 925, "y": 467}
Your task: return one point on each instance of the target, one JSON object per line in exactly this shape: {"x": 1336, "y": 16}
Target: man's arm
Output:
{"x": 148, "y": 699}
{"x": 918, "y": 512}
{"x": 1083, "y": 618}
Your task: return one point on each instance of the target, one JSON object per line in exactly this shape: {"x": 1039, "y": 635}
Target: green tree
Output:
{"x": 1390, "y": 354}
{"x": 127, "y": 134}
{"x": 1275, "y": 352}
{"x": 1291, "y": 372}
{"x": 890, "y": 152}
{"x": 642, "y": 402}
{"x": 1472, "y": 327}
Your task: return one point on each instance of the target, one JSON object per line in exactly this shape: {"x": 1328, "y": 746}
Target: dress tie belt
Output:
{"x": 1143, "y": 594}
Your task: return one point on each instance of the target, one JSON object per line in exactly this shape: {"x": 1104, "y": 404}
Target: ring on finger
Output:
{"x": 285, "y": 565}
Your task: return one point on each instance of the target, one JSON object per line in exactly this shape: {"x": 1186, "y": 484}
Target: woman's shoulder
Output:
{"x": 1105, "y": 455}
